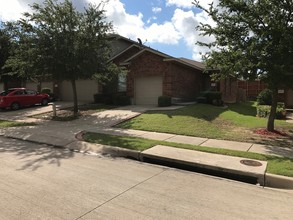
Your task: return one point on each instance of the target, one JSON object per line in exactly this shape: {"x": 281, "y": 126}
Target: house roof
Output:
{"x": 194, "y": 63}
{"x": 167, "y": 58}
{"x": 187, "y": 62}
{"x": 123, "y": 51}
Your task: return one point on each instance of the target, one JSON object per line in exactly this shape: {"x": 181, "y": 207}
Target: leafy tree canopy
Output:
{"x": 5, "y": 47}
{"x": 58, "y": 40}
{"x": 253, "y": 39}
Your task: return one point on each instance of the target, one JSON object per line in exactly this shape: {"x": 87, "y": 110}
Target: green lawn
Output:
{"x": 236, "y": 122}
{"x": 4, "y": 124}
{"x": 276, "y": 165}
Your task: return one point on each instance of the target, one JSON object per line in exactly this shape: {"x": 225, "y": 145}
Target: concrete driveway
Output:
{"x": 22, "y": 114}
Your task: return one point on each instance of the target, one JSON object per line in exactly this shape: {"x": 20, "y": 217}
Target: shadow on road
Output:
{"x": 33, "y": 155}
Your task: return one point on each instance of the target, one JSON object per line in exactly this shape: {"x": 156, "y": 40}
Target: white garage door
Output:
{"x": 85, "y": 90}
{"x": 148, "y": 89}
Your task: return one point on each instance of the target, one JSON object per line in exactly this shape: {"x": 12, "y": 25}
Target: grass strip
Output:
{"x": 5, "y": 124}
{"x": 276, "y": 165}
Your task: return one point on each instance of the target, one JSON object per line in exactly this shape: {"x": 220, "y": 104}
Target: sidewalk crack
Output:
{"x": 203, "y": 142}
{"x": 125, "y": 191}
{"x": 169, "y": 137}
{"x": 249, "y": 148}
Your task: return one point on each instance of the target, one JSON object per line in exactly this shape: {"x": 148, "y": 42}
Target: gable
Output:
{"x": 125, "y": 50}
{"x": 118, "y": 45}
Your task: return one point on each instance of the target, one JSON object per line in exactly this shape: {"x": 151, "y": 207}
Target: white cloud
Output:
{"x": 187, "y": 4}
{"x": 181, "y": 28}
{"x": 151, "y": 19}
{"x": 11, "y": 10}
{"x": 185, "y": 23}
{"x": 133, "y": 26}
{"x": 161, "y": 33}
{"x": 179, "y": 3}
{"x": 156, "y": 10}
{"x": 206, "y": 3}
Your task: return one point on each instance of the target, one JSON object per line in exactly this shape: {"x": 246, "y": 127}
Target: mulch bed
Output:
{"x": 275, "y": 133}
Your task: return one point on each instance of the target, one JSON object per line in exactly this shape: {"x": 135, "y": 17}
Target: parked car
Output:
{"x": 15, "y": 98}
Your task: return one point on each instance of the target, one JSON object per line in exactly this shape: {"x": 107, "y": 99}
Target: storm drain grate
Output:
{"x": 252, "y": 163}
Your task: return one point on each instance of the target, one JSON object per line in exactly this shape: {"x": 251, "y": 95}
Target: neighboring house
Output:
{"x": 150, "y": 74}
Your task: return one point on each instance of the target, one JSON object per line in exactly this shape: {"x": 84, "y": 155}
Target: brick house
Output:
{"x": 151, "y": 73}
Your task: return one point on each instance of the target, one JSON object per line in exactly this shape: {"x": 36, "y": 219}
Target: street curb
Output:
{"x": 122, "y": 152}
{"x": 82, "y": 146}
{"x": 271, "y": 180}
{"x": 212, "y": 164}
{"x": 277, "y": 181}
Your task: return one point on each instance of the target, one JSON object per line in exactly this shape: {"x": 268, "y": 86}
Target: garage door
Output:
{"x": 85, "y": 90}
{"x": 289, "y": 101}
{"x": 147, "y": 90}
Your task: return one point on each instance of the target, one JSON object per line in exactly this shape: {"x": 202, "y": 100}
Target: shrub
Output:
{"x": 263, "y": 111}
{"x": 218, "y": 102}
{"x": 211, "y": 96}
{"x": 110, "y": 99}
{"x": 103, "y": 98}
{"x": 264, "y": 97}
{"x": 201, "y": 99}
{"x": 46, "y": 91}
{"x": 164, "y": 101}
{"x": 281, "y": 111}
{"x": 121, "y": 99}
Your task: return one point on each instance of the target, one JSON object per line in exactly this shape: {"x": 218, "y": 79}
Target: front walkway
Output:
{"x": 289, "y": 116}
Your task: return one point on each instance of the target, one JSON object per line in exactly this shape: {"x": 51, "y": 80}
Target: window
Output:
{"x": 31, "y": 92}
{"x": 19, "y": 92}
{"x": 121, "y": 83}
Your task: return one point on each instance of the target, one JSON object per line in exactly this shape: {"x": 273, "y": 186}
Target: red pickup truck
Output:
{"x": 15, "y": 98}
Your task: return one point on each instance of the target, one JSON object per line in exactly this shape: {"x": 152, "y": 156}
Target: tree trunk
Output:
{"x": 271, "y": 120}
{"x": 75, "y": 103}
{"x": 39, "y": 87}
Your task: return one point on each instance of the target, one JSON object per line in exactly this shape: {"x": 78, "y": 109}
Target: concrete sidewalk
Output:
{"x": 205, "y": 142}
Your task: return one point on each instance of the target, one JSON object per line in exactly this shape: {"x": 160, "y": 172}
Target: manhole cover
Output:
{"x": 252, "y": 163}
{"x": 79, "y": 136}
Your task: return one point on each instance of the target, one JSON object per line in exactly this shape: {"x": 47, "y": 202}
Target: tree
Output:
{"x": 57, "y": 39}
{"x": 253, "y": 39}
{"x": 5, "y": 50}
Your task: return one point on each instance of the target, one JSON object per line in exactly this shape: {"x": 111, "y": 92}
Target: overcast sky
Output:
{"x": 165, "y": 25}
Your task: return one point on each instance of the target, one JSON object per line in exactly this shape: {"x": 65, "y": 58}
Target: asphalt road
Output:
{"x": 39, "y": 182}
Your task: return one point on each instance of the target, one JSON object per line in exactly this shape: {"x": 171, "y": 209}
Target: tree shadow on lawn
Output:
{"x": 208, "y": 112}
{"x": 34, "y": 156}
{"x": 245, "y": 108}
{"x": 201, "y": 111}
